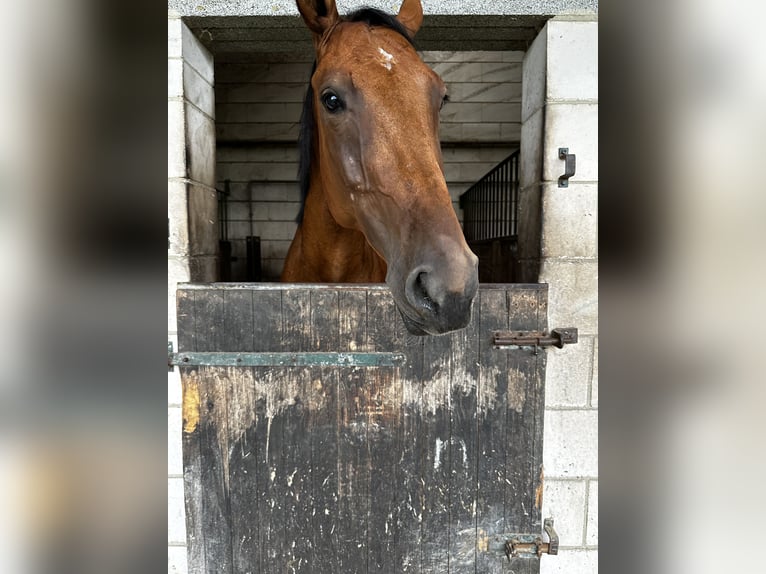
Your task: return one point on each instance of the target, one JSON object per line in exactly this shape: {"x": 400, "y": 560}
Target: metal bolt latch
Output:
{"x": 528, "y": 545}
{"x": 557, "y": 338}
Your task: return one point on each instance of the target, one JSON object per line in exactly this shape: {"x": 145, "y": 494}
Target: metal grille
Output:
{"x": 490, "y": 205}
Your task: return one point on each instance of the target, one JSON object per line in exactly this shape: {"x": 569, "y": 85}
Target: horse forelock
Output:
{"x": 372, "y": 17}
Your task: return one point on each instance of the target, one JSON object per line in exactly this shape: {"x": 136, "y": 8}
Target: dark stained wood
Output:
{"x": 267, "y": 336}
{"x": 243, "y": 463}
{"x": 420, "y": 468}
{"x": 190, "y": 437}
{"x": 435, "y": 463}
{"x": 303, "y": 315}
{"x": 491, "y": 436}
{"x": 383, "y": 443}
{"x": 463, "y": 445}
{"x": 410, "y": 458}
{"x": 216, "y": 517}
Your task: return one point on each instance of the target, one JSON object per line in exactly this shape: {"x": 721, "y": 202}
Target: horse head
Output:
{"x": 376, "y": 118}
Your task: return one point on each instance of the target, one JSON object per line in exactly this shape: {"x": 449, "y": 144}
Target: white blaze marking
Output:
{"x": 389, "y": 59}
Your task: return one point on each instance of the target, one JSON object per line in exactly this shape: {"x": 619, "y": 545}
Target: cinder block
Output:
{"x": 198, "y": 91}
{"x": 500, "y": 71}
{"x": 481, "y": 132}
{"x": 529, "y": 232}
{"x": 175, "y": 78}
{"x": 570, "y": 220}
{"x": 176, "y": 513}
{"x": 572, "y": 293}
{"x": 176, "y": 139}
{"x": 594, "y": 382}
{"x": 175, "y": 458}
{"x": 203, "y": 269}
{"x": 174, "y": 379}
{"x": 570, "y": 562}
{"x": 490, "y": 92}
{"x": 177, "y": 563}
{"x": 203, "y": 221}
{"x": 200, "y": 138}
{"x": 287, "y": 132}
{"x": 178, "y": 226}
{"x": 174, "y": 37}
{"x": 572, "y": 60}
{"x": 452, "y": 72}
{"x": 568, "y": 373}
{"x": 500, "y": 112}
{"x": 571, "y": 444}
{"x": 196, "y": 54}
{"x": 564, "y": 501}
{"x": 533, "y": 75}
{"x": 510, "y": 132}
{"x": 572, "y": 126}
{"x": 591, "y": 533}
{"x": 531, "y": 155}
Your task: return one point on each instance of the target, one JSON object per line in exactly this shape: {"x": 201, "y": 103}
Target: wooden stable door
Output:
{"x": 319, "y": 436}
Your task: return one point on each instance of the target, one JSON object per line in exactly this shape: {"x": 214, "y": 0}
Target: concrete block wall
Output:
{"x": 560, "y": 247}
{"x": 258, "y": 107}
{"x": 192, "y": 226}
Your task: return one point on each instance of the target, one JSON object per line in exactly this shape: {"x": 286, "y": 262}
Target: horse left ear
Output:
{"x": 319, "y": 15}
{"x": 411, "y": 16}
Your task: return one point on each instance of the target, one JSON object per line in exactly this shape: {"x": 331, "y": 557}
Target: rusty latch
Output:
{"x": 557, "y": 338}
{"x": 527, "y": 545}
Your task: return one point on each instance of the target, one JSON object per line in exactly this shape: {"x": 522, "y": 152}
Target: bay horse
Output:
{"x": 376, "y": 205}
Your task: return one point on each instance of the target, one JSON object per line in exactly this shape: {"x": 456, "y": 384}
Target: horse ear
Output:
{"x": 411, "y": 16}
{"x": 319, "y": 15}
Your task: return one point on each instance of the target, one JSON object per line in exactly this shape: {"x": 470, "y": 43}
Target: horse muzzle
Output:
{"x": 438, "y": 298}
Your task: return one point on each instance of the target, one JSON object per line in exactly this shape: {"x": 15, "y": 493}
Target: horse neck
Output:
{"x": 337, "y": 253}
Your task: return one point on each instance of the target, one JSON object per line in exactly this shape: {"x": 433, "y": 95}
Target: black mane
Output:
{"x": 372, "y": 17}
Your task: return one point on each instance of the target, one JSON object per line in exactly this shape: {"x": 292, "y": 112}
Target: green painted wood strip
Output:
{"x": 288, "y": 359}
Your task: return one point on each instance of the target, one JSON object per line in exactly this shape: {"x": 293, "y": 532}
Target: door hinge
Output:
{"x": 528, "y": 545}
{"x": 557, "y": 338}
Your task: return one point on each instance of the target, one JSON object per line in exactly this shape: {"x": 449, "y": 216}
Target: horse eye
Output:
{"x": 331, "y": 102}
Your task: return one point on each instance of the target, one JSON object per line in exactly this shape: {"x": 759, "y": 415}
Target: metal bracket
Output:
{"x": 569, "y": 166}
{"x": 221, "y": 359}
{"x": 528, "y": 545}
{"x": 557, "y": 338}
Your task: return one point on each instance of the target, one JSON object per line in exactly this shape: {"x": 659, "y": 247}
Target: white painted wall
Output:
{"x": 192, "y": 226}
{"x": 560, "y": 109}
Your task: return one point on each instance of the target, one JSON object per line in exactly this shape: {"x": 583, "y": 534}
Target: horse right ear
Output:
{"x": 319, "y": 15}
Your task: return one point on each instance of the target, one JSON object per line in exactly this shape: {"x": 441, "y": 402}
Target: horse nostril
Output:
{"x": 417, "y": 291}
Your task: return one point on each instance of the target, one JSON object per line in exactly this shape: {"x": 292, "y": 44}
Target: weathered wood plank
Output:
{"x": 243, "y": 464}
{"x": 322, "y": 428}
{"x": 411, "y": 452}
{"x": 353, "y": 472}
{"x": 190, "y": 436}
{"x": 491, "y": 435}
{"x": 523, "y": 417}
{"x": 216, "y": 511}
{"x": 435, "y": 469}
{"x": 304, "y": 316}
{"x": 185, "y": 319}
{"x": 463, "y": 445}
{"x": 384, "y": 418}
{"x": 267, "y": 336}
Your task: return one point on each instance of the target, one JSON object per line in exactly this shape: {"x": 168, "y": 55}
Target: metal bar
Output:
{"x": 557, "y": 338}
{"x": 286, "y": 359}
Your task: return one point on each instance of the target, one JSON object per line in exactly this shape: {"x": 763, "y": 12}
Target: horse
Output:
{"x": 375, "y": 201}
